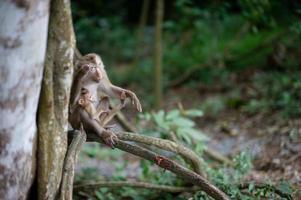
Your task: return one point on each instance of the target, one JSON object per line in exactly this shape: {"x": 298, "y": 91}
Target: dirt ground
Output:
{"x": 274, "y": 142}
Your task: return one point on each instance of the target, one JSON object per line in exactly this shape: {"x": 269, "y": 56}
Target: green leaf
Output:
{"x": 99, "y": 195}
{"x": 172, "y": 114}
{"x": 196, "y": 134}
{"x": 193, "y": 113}
{"x": 184, "y": 136}
{"x": 251, "y": 187}
{"x": 199, "y": 147}
{"x": 183, "y": 122}
{"x": 103, "y": 190}
{"x": 159, "y": 119}
{"x": 285, "y": 187}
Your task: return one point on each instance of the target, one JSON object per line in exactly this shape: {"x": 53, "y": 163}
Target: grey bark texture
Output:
{"x": 23, "y": 37}
{"x": 54, "y": 100}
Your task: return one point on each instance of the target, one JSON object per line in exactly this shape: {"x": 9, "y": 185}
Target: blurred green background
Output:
{"x": 236, "y": 64}
{"x": 221, "y": 43}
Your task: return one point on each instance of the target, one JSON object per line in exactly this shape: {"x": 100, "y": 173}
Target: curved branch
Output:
{"x": 167, "y": 145}
{"x": 79, "y": 137}
{"x": 144, "y": 185}
{"x": 218, "y": 157}
{"x": 170, "y": 165}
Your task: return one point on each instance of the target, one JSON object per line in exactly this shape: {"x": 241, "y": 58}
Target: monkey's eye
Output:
{"x": 93, "y": 69}
{"x": 84, "y": 91}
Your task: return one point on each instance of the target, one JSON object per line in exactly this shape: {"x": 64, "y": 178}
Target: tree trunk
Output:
{"x": 23, "y": 36}
{"x": 54, "y": 100}
{"x": 141, "y": 29}
{"x": 158, "y": 52}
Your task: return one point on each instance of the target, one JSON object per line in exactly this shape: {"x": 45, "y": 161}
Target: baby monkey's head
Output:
{"x": 85, "y": 97}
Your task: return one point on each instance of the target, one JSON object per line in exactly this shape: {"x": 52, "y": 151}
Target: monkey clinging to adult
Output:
{"x": 102, "y": 113}
{"x": 92, "y": 76}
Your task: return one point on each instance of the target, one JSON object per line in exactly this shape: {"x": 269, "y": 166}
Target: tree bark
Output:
{"x": 23, "y": 36}
{"x": 141, "y": 28}
{"x": 79, "y": 138}
{"x": 54, "y": 100}
{"x": 168, "y": 164}
{"x": 186, "y": 153}
{"x": 158, "y": 52}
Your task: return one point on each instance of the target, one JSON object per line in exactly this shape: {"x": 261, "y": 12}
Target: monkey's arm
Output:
{"x": 77, "y": 85}
{"x": 92, "y": 125}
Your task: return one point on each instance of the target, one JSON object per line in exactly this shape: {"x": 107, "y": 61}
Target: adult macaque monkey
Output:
{"x": 92, "y": 76}
{"x": 101, "y": 82}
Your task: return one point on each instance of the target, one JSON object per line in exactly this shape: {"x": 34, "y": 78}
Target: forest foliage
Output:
{"x": 248, "y": 49}
{"x": 214, "y": 40}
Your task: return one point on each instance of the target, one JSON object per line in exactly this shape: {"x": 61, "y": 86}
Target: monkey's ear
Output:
{"x": 81, "y": 102}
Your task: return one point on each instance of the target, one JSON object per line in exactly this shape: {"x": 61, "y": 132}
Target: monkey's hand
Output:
{"x": 134, "y": 99}
{"x": 84, "y": 70}
{"x": 109, "y": 138}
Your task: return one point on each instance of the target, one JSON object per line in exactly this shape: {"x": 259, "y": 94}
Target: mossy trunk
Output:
{"x": 54, "y": 100}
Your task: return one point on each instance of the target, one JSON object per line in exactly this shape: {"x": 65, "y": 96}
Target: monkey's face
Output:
{"x": 95, "y": 73}
{"x": 92, "y": 71}
{"x": 85, "y": 97}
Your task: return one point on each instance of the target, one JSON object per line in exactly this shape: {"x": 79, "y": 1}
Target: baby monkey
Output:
{"x": 102, "y": 114}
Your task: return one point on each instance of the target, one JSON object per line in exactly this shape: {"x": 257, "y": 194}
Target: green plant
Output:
{"x": 276, "y": 91}
{"x": 179, "y": 123}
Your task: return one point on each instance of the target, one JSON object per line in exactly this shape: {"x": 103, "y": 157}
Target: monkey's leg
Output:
{"x": 111, "y": 114}
{"x": 122, "y": 94}
{"x": 104, "y": 105}
{"x": 92, "y": 125}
